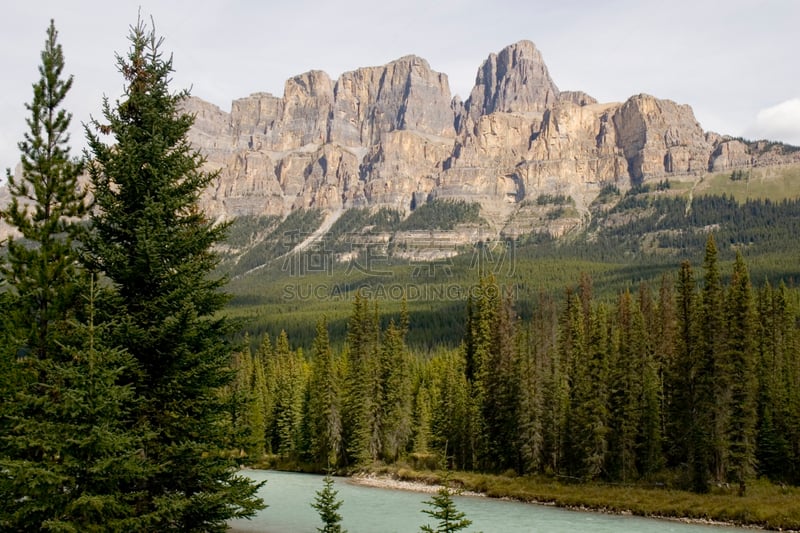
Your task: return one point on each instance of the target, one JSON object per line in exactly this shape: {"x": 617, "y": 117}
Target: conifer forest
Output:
{"x": 692, "y": 381}
{"x": 131, "y": 392}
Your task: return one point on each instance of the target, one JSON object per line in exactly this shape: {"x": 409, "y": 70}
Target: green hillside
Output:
{"x": 633, "y": 238}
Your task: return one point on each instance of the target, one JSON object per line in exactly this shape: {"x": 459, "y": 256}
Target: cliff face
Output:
{"x": 393, "y": 136}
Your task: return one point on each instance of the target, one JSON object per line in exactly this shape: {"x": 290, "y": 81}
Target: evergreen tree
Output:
{"x": 364, "y": 395}
{"x": 423, "y": 415}
{"x": 650, "y": 440}
{"x": 666, "y": 341}
{"x": 70, "y": 455}
{"x": 46, "y": 204}
{"x": 625, "y": 391}
{"x": 155, "y": 247}
{"x": 691, "y": 384}
{"x": 713, "y": 373}
{"x": 328, "y": 506}
{"x": 66, "y": 453}
{"x": 566, "y": 350}
{"x": 501, "y": 383}
{"x": 397, "y": 407}
{"x": 324, "y": 413}
{"x": 245, "y": 402}
{"x": 587, "y": 418}
{"x": 443, "y": 509}
{"x": 291, "y": 376}
{"x": 266, "y": 358}
{"x": 775, "y": 384}
{"x": 741, "y": 353}
{"x": 450, "y": 421}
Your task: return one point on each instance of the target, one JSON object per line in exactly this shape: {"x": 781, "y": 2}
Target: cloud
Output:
{"x": 780, "y": 122}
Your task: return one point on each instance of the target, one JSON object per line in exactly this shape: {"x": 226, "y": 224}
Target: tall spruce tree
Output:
{"x": 70, "y": 452}
{"x": 364, "y": 392}
{"x": 713, "y": 380}
{"x": 66, "y": 454}
{"x": 741, "y": 347}
{"x": 155, "y": 247}
{"x": 46, "y": 205}
{"x": 324, "y": 406}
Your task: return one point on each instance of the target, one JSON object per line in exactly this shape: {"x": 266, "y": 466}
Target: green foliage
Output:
{"x": 555, "y": 199}
{"x": 442, "y": 215}
{"x": 68, "y": 452}
{"x": 739, "y": 175}
{"x": 154, "y": 246}
{"x": 443, "y": 509}
{"x": 266, "y": 241}
{"x": 323, "y": 412}
{"x": 328, "y": 506}
{"x": 46, "y": 203}
{"x": 70, "y": 455}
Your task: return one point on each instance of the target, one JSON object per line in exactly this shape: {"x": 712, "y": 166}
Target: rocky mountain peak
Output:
{"x": 393, "y": 136}
{"x": 515, "y": 80}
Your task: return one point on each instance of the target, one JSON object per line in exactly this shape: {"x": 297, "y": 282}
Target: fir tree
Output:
{"x": 324, "y": 413}
{"x": 67, "y": 453}
{"x": 291, "y": 375}
{"x": 397, "y": 407}
{"x": 443, "y": 509}
{"x": 328, "y": 506}
{"x": 364, "y": 396}
{"x": 713, "y": 372}
{"x": 71, "y": 456}
{"x": 741, "y": 353}
{"x": 155, "y": 247}
{"x": 46, "y": 205}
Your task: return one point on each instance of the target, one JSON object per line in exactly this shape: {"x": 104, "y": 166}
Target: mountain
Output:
{"x": 534, "y": 158}
{"x": 393, "y": 136}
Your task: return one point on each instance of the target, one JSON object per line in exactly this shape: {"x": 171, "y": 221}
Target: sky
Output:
{"x": 733, "y": 61}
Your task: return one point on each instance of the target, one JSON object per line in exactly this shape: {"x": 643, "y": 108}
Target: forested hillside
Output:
{"x": 689, "y": 381}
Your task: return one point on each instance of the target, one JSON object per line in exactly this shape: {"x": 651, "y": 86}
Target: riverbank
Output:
{"x": 766, "y": 506}
{"x": 385, "y": 481}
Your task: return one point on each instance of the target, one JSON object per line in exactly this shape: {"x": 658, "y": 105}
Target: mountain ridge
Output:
{"x": 394, "y": 136}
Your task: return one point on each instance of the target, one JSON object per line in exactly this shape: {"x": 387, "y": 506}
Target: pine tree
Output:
{"x": 245, "y": 401}
{"x": 775, "y": 385}
{"x": 501, "y": 385}
{"x": 364, "y": 395}
{"x": 587, "y": 418}
{"x": 46, "y": 205}
{"x": 691, "y": 375}
{"x": 324, "y": 413}
{"x": 450, "y": 421}
{"x": 155, "y": 247}
{"x": 66, "y": 452}
{"x": 423, "y": 415}
{"x": 328, "y": 506}
{"x": 625, "y": 388}
{"x": 266, "y": 357}
{"x": 397, "y": 407}
{"x": 713, "y": 372}
{"x": 741, "y": 352}
{"x": 291, "y": 375}
{"x": 71, "y": 454}
{"x": 443, "y": 509}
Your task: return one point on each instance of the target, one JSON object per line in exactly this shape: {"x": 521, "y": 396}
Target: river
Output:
{"x": 377, "y": 510}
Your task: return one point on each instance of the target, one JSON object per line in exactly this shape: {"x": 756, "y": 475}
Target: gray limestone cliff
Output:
{"x": 393, "y": 136}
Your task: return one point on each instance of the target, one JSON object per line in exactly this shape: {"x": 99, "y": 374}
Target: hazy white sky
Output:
{"x": 734, "y": 61}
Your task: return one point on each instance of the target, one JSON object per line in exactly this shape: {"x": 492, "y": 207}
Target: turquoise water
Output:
{"x": 375, "y": 510}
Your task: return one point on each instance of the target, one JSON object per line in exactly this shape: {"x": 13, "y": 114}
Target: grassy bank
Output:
{"x": 765, "y": 505}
